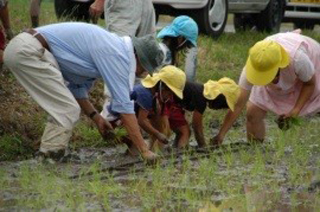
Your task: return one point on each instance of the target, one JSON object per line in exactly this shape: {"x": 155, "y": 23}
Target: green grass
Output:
{"x": 263, "y": 177}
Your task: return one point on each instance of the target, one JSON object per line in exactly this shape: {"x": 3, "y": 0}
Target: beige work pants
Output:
{"x": 38, "y": 72}
{"x": 130, "y": 17}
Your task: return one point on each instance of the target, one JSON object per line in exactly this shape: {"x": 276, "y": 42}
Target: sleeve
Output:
{"x": 199, "y": 100}
{"x": 303, "y": 66}
{"x": 243, "y": 82}
{"x": 80, "y": 91}
{"x": 201, "y": 104}
{"x": 191, "y": 63}
{"x": 115, "y": 71}
{"x": 143, "y": 97}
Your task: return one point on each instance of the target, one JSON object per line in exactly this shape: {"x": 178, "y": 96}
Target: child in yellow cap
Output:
{"x": 160, "y": 87}
{"x": 146, "y": 98}
{"x": 281, "y": 75}
{"x": 221, "y": 94}
{"x": 194, "y": 97}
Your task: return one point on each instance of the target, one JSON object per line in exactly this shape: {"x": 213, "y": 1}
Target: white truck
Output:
{"x": 305, "y": 14}
{"x": 211, "y": 15}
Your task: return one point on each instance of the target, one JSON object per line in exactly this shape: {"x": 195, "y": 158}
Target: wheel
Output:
{"x": 212, "y": 18}
{"x": 270, "y": 19}
{"x": 70, "y": 10}
{"x": 304, "y": 25}
{"x": 243, "y": 22}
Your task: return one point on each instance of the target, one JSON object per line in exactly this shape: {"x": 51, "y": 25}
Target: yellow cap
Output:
{"x": 172, "y": 76}
{"x": 265, "y": 59}
{"x": 225, "y": 86}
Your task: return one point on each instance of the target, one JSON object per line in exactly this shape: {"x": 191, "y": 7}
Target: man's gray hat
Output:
{"x": 149, "y": 52}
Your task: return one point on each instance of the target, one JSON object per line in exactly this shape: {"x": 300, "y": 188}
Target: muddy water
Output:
{"x": 115, "y": 161}
{"x": 79, "y": 165}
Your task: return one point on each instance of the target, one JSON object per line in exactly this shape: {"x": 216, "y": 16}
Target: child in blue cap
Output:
{"x": 180, "y": 35}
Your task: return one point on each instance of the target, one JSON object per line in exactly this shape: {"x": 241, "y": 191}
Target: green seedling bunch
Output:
{"x": 287, "y": 123}
{"x": 116, "y": 136}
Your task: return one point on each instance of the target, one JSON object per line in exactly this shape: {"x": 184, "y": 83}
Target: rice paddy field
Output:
{"x": 281, "y": 174}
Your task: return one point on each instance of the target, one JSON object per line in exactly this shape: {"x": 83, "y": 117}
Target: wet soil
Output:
{"x": 18, "y": 118}
{"x": 114, "y": 161}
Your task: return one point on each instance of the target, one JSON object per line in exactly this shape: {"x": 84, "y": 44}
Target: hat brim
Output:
{"x": 260, "y": 77}
{"x": 225, "y": 86}
{"x": 285, "y": 58}
{"x": 142, "y": 57}
{"x": 151, "y": 81}
{"x": 194, "y": 43}
{"x": 167, "y": 31}
{"x": 176, "y": 91}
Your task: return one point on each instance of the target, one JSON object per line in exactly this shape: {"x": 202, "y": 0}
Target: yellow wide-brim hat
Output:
{"x": 172, "y": 76}
{"x": 224, "y": 86}
{"x": 266, "y": 57}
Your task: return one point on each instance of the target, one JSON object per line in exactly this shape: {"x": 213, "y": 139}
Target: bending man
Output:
{"x": 57, "y": 64}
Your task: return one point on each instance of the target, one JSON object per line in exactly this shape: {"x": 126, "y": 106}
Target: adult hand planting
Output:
{"x": 84, "y": 61}
{"x": 104, "y": 127}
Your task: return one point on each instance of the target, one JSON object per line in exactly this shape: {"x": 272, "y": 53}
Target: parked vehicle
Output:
{"x": 305, "y": 14}
{"x": 211, "y": 15}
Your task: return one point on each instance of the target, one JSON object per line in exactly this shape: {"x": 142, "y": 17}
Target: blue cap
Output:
{"x": 181, "y": 26}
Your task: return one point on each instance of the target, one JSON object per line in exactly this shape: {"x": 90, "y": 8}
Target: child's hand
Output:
{"x": 216, "y": 140}
{"x": 162, "y": 138}
{"x": 284, "y": 122}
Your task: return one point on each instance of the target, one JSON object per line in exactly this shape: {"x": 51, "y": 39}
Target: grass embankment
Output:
{"x": 273, "y": 176}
